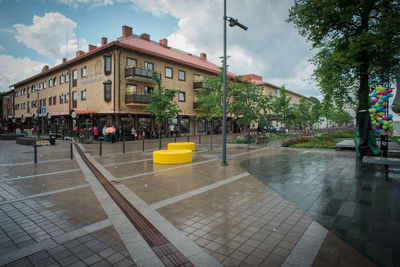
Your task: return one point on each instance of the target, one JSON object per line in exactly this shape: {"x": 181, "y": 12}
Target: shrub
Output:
{"x": 293, "y": 141}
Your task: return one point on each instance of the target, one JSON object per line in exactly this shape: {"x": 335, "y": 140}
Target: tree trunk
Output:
{"x": 211, "y": 134}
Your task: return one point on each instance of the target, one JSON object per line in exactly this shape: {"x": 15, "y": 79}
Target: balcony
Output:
{"x": 139, "y": 74}
{"x": 196, "y": 105}
{"x": 198, "y": 83}
{"x": 137, "y": 99}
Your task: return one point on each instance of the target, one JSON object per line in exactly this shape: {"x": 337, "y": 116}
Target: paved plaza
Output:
{"x": 271, "y": 206}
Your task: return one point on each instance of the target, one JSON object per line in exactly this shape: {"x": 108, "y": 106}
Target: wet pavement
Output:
{"x": 261, "y": 210}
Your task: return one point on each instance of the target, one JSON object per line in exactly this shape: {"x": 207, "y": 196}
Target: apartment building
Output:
{"x": 111, "y": 84}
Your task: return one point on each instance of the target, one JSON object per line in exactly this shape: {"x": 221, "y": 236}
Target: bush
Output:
{"x": 294, "y": 141}
{"x": 348, "y": 133}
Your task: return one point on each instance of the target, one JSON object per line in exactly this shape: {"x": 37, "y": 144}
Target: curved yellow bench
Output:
{"x": 181, "y": 145}
{"x": 172, "y": 156}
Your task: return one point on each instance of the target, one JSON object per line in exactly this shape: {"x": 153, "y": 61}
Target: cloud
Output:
{"x": 90, "y": 3}
{"x": 270, "y": 47}
{"x": 1, "y": 47}
{"x": 48, "y": 36}
{"x": 13, "y": 70}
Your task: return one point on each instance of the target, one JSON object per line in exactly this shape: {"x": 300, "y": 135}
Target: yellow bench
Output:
{"x": 181, "y": 145}
{"x": 172, "y": 156}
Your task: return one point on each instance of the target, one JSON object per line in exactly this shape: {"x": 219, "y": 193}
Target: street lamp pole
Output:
{"x": 224, "y": 163}
{"x": 232, "y": 22}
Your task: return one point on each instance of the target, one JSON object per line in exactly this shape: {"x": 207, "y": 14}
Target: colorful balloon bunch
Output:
{"x": 380, "y": 118}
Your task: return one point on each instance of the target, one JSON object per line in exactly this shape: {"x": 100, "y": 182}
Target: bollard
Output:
{"x": 199, "y": 139}
{"x": 188, "y": 138}
{"x": 123, "y": 145}
{"x": 35, "y": 153}
{"x": 175, "y": 139}
{"x": 72, "y": 154}
{"x": 101, "y": 147}
{"x": 143, "y": 144}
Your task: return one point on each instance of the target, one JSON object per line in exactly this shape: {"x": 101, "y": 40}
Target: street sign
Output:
{"x": 43, "y": 110}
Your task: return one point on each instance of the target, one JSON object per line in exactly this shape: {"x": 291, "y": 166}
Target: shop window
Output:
{"x": 185, "y": 125}
{"x": 181, "y": 75}
{"x": 202, "y": 126}
{"x": 168, "y": 72}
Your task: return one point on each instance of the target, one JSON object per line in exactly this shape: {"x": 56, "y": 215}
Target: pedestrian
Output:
{"x": 171, "y": 130}
{"x": 104, "y": 133}
{"x": 96, "y": 133}
{"x": 133, "y": 133}
{"x": 113, "y": 135}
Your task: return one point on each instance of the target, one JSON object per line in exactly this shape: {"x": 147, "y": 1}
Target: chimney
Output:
{"x": 79, "y": 53}
{"x": 103, "y": 40}
{"x": 145, "y": 36}
{"x": 64, "y": 60}
{"x": 164, "y": 42}
{"x": 92, "y": 47}
{"x": 203, "y": 56}
{"x": 126, "y": 31}
{"x": 45, "y": 68}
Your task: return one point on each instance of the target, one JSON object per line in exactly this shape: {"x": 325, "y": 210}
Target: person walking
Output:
{"x": 171, "y": 130}
{"x": 133, "y": 133}
{"x": 96, "y": 133}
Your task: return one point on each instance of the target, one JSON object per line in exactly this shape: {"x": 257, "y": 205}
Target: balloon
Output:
{"x": 378, "y": 119}
{"x": 389, "y": 90}
{"x": 378, "y": 131}
{"x": 379, "y": 127}
{"x": 380, "y": 101}
{"x": 384, "y": 127}
{"x": 374, "y": 94}
{"x": 381, "y": 122}
{"x": 385, "y": 123}
{"x": 373, "y": 106}
{"x": 377, "y": 105}
{"x": 380, "y": 114}
{"x": 384, "y": 118}
{"x": 390, "y": 116}
{"x": 376, "y": 99}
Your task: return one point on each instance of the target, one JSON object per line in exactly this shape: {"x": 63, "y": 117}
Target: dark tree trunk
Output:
{"x": 159, "y": 135}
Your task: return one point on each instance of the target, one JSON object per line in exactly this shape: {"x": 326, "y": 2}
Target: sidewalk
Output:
{"x": 212, "y": 215}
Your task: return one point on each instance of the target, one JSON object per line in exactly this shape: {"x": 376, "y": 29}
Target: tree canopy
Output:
{"x": 358, "y": 43}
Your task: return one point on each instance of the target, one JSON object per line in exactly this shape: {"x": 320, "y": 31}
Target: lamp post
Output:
{"x": 232, "y": 22}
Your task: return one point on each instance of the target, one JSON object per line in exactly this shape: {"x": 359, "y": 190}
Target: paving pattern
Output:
{"x": 352, "y": 200}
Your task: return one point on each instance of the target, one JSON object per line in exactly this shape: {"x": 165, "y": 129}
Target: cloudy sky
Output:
{"x": 38, "y": 32}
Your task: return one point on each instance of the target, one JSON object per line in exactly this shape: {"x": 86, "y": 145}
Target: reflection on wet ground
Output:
{"x": 352, "y": 200}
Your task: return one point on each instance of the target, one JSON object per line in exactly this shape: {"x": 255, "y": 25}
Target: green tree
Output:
{"x": 303, "y": 114}
{"x": 316, "y": 111}
{"x": 246, "y": 104}
{"x": 282, "y": 108}
{"x": 162, "y": 107}
{"x": 358, "y": 43}
{"x": 266, "y": 106}
{"x": 209, "y": 101}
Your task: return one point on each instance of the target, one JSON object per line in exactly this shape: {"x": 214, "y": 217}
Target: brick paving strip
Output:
{"x": 160, "y": 245}
{"x": 52, "y": 242}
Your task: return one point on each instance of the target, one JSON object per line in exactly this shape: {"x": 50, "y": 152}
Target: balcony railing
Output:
{"x": 135, "y": 72}
{"x": 198, "y": 85}
{"x": 137, "y": 99}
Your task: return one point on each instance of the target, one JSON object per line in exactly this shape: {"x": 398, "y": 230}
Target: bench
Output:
{"x": 172, "y": 156}
{"x": 182, "y": 145}
{"x": 382, "y": 161}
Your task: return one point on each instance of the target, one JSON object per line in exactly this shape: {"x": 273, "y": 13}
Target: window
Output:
{"x": 40, "y": 103}
{"x": 67, "y": 77}
{"x": 107, "y": 64}
{"x": 83, "y": 72}
{"x": 61, "y": 78}
{"x": 107, "y": 91}
{"x": 185, "y": 125}
{"x": 54, "y": 100}
{"x": 181, "y": 97}
{"x": 54, "y": 81}
{"x": 61, "y": 99}
{"x": 74, "y": 78}
{"x": 168, "y": 72}
{"x": 74, "y": 99}
{"x": 148, "y": 89}
{"x": 50, "y": 83}
{"x": 131, "y": 61}
{"x": 44, "y": 102}
{"x": 50, "y": 100}
{"x": 44, "y": 85}
{"x": 131, "y": 89}
{"x": 83, "y": 94}
{"x": 202, "y": 126}
{"x": 148, "y": 66}
{"x": 181, "y": 75}
{"x": 66, "y": 98}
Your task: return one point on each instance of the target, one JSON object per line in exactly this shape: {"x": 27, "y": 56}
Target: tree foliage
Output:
{"x": 162, "y": 107}
{"x": 303, "y": 114}
{"x": 282, "y": 108}
{"x": 358, "y": 43}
